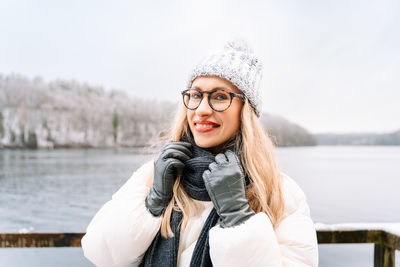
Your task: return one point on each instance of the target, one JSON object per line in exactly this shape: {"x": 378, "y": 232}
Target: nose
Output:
{"x": 204, "y": 108}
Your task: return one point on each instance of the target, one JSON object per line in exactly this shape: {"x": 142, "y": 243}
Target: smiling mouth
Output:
{"x": 206, "y": 126}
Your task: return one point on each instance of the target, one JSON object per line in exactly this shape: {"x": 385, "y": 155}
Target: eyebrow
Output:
{"x": 215, "y": 88}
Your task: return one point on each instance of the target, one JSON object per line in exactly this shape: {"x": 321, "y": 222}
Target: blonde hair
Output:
{"x": 257, "y": 157}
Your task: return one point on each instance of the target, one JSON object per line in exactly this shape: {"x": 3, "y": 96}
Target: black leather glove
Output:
{"x": 166, "y": 166}
{"x": 226, "y": 186}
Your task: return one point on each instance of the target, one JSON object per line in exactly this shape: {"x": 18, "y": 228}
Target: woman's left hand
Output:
{"x": 226, "y": 187}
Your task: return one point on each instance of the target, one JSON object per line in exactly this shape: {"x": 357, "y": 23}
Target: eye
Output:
{"x": 195, "y": 95}
{"x": 220, "y": 96}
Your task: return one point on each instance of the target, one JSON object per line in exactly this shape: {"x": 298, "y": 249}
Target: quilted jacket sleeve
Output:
{"x": 256, "y": 243}
{"x": 123, "y": 229}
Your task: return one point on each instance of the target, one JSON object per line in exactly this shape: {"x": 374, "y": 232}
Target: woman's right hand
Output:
{"x": 171, "y": 159}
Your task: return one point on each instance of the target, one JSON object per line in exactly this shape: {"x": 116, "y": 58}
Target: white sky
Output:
{"x": 331, "y": 66}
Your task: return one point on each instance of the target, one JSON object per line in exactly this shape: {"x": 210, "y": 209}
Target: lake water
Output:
{"x": 61, "y": 190}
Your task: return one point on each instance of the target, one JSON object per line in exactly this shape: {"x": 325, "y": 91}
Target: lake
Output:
{"x": 61, "y": 190}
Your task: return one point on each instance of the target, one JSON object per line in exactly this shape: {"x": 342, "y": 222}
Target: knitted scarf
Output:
{"x": 164, "y": 251}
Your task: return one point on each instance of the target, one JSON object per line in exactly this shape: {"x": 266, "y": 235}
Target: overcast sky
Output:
{"x": 330, "y": 66}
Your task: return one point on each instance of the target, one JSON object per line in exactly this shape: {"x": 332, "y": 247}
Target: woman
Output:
{"x": 214, "y": 195}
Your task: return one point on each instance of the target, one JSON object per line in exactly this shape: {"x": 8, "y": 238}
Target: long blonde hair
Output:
{"x": 256, "y": 154}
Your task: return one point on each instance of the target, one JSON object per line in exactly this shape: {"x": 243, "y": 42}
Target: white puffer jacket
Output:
{"x": 123, "y": 229}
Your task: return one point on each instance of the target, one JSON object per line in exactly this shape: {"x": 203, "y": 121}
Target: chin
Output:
{"x": 204, "y": 144}
{"x": 207, "y": 142}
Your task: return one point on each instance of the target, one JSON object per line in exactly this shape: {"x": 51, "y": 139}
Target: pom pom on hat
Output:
{"x": 239, "y": 45}
{"x": 238, "y": 64}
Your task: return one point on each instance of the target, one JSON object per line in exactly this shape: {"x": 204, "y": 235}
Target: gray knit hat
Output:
{"x": 238, "y": 64}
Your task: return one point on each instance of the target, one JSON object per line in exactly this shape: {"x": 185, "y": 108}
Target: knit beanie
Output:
{"x": 238, "y": 64}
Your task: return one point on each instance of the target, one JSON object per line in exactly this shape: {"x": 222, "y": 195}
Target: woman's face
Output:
{"x": 227, "y": 122}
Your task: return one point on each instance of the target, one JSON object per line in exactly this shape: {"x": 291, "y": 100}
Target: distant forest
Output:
{"x": 367, "y": 139}
{"x": 60, "y": 113}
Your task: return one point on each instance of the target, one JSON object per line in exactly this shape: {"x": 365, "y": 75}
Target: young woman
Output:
{"x": 214, "y": 195}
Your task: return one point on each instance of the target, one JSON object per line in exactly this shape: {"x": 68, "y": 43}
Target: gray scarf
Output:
{"x": 164, "y": 251}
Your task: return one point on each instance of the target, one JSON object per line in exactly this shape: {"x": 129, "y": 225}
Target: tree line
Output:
{"x": 66, "y": 113}
{"x": 362, "y": 139}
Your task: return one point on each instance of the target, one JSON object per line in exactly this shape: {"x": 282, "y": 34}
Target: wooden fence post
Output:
{"x": 383, "y": 256}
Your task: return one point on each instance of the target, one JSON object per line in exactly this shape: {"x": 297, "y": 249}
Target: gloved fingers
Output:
{"x": 174, "y": 164}
{"x": 232, "y": 158}
{"x": 206, "y": 175}
{"x": 182, "y": 146}
{"x": 213, "y": 166}
{"x": 176, "y": 154}
{"x": 182, "y": 143}
{"x": 221, "y": 159}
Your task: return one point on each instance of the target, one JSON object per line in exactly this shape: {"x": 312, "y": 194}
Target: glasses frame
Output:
{"x": 209, "y": 97}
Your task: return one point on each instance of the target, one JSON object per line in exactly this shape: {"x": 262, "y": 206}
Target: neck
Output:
{"x": 216, "y": 149}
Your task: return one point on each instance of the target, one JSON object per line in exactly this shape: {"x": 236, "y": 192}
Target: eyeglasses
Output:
{"x": 218, "y": 99}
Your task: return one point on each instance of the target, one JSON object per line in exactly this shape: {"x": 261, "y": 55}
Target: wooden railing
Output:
{"x": 386, "y": 243}
{"x": 384, "y": 253}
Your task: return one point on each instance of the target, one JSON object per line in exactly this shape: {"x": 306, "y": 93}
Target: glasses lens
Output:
{"x": 192, "y": 98}
{"x": 220, "y": 100}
